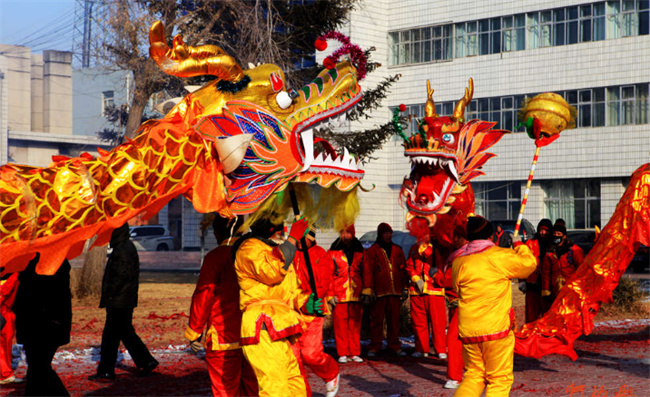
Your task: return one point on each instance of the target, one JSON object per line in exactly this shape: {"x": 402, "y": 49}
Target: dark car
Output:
{"x": 403, "y": 239}
{"x": 526, "y": 230}
{"x": 583, "y": 238}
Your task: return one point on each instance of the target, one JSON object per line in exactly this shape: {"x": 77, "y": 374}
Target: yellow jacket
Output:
{"x": 482, "y": 278}
{"x": 269, "y": 294}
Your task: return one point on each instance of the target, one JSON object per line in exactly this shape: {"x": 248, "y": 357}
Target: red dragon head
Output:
{"x": 445, "y": 154}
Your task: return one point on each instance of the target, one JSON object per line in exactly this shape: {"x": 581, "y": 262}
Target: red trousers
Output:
{"x": 534, "y": 306}
{"x": 425, "y": 310}
{"x": 455, "y": 362}
{"x": 386, "y": 306}
{"x": 346, "y": 320}
{"x": 230, "y": 373}
{"x": 6, "y": 341}
{"x": 309, "y": 351}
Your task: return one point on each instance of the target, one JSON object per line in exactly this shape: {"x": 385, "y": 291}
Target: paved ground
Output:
{"x": 614, "y": 362}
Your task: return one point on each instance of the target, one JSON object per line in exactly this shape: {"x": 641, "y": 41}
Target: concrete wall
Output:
{"x": 18, "y": 76}
{"x": 37, "y": 93}
{"x": 4, "y": 110}
{"x": 87, "y": 109}
{"x": 57, "y": 92}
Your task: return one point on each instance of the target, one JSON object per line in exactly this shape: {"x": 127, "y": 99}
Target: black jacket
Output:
{"x": 121, "y": 276}
{"x": 43, "y": 305}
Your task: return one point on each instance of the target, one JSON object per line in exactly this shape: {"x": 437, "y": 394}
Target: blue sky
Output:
{"x": 40, "y": 24}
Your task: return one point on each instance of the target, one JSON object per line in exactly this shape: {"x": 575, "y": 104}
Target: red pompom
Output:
{"x": 329, "y": 63}
{"x": 320, "y": 44}
{"x": 402, "y": 107}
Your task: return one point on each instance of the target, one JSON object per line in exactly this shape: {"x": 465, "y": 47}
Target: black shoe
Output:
{"x": 149, "y": 367}
{"x": 103, "y": 376}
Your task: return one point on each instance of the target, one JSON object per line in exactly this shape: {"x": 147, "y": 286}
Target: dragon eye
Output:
{"x": 283, "y": 99}
{"x": 448, "y": 138}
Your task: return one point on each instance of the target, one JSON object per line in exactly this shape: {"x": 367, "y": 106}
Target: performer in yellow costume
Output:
{"x": 270, "y": 300}
{"x": 482, "y": 275}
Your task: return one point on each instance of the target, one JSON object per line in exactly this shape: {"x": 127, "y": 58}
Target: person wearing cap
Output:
{"x": 427, "y": 299}
{"x": 215, "y": 304}
{"x": 563, "y": 259}
{"x": 532, "y": 286}
{"x": 270, "y": 301}
{"x": 384, "y": 283}
{"x": 347, "y": 254}
{"x": 455, "y": 362}
{"x": 310, "y": 345}
{"x": 481, "y": 275}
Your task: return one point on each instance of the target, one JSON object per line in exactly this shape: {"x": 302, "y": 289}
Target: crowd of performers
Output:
{"x": 262, "y": 323}
{"x": 255, "y": 312}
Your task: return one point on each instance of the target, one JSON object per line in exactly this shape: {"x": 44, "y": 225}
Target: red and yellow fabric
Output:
{"x": 420, "y": 261}
{"x": 533, "y": 244}
{"x": 276, "y": 367}
{"x": 382, "y": 275}
{"x": 8, "y": 288}
{"x": 482, "y": 278}
{"x": 269, "y": 294}
{"x": 348, "y": 278}
{"x": 557, "y": 270}
{"x": 230, "y": 373}
{"x": 489, "y": 366}
{"x": 323, "y": 269}
{"x": 346, "y": 321}
{"x": 428, "y": 306}
{"x": 215, "y": 302}
{"x": 455, "y": 363}
{"x": 575, "y": 307}
{"x": 535, "y": 305}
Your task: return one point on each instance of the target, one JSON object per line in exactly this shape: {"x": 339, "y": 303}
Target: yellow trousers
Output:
{"x": 276, "y": 367}
{"x": 488, "y": 365}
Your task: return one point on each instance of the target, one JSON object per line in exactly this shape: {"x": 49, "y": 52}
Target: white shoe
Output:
{"x": 11, "y": 379}
{"x": 442, "y": 356}
{"x": 356, "y": 359}
{"x": 452, "y": 384}
{"x": 372, "y": 354}
{"x": 333, "y": 386}
{"x": 343, "y": 359}
{"x": 417, "y": 355}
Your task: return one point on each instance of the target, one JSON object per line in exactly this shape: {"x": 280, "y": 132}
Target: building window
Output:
{"x": 545, "y": 28}
{"x": 418, "y": 45}
{"x": 496, "y": 200}
{"x": 576, "y": 201}
{"x": 108, "y": 101}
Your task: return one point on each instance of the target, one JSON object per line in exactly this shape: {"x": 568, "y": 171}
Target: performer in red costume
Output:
{"x": 562, "y": 260}
{"x": 347, "y": 254}
{"x": 310, "y": 345}
{"x": 384, "y": 281}
{"x": 455, "y": 362}
{"x": 215, "y": 304}
{"x": 427, "y": 298}
{"x": 8, "y": 288}
{"x": 532, "y": 286}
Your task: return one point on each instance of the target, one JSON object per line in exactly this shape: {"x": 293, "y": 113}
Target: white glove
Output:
{"x": 516, "y": 239}
{"x": 420, "y": 285}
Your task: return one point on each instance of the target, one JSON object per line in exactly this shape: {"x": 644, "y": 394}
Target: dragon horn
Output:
{"x": 188, "y": 61}
{"x": 459, "y": 111}
{"x": 430, "y": 106}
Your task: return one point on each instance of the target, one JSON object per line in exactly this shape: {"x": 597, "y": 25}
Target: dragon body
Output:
{"x": 227, "y": 147}
{"x": 446, "y": 153}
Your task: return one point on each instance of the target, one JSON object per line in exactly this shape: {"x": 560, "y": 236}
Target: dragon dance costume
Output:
{"x": 270, "y": 299}
{"x": 8, "y": 288}
{"x": 428, "y": 305}
{"x": 482, "y": 276}
{"x": 383, "y": 275}
{"x": 558, "y": 267}
{"x": 215, "y": 302}
{"x": 310, "y": 345}
{"x": 348, "y": 282}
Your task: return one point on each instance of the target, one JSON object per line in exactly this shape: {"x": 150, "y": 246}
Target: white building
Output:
{"x": 595, "y": 54}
